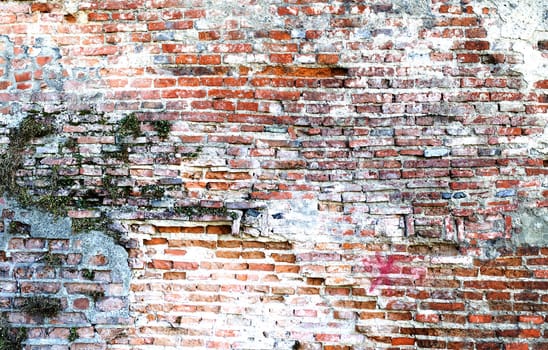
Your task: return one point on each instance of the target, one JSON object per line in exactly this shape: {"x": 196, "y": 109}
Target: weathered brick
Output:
{"x": 328, "y": 138}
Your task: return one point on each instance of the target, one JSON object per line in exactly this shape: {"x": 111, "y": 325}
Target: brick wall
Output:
{"x": 274, "y": 174}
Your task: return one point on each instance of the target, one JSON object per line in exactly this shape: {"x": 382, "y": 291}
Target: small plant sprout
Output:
{"x": 162, "y": 127}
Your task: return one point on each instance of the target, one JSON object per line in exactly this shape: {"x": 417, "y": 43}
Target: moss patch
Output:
{"x": 162, "y": 127}
{"x": 130, "y": 125}
{"x": 30, "y": 127}
{"x": 52, "y": 260}
{"x": 88, "y": 274}
{"x": 73, "y": 335}
{"x": 152, "y": 191}
{"x": 88, "y": 224}
{"x": 34, "y": 125}
{"x": 52, "y": 204}
{"x": 42, "y": 306}
{"x": 195, "y": 211}
{"x": 11, "y": 338}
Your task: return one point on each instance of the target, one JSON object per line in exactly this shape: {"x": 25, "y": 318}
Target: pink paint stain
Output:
{"x": 383, "y": 265}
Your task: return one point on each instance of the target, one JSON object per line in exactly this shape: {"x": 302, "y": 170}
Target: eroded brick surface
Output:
{"x": 276, "y": 174}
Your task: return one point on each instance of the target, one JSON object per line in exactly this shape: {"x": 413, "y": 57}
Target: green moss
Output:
{"x": 52, "y": 204}
{"x": 193, "y": 211}
{"x": 87, "y": 112}
{"x": 9, "y": 163}
{"x": 79, "y": 158}
{"x": 88, "y": 274}
{"x": 189, "y": 155}
{"x": 130, "y": 125}
{"x": 162, "y": 127}
{"x": 122, "y": 154}
{"x": 111, "y": 187}
{"x": 42, "y": 306}
{"x": 71, "y": 143}
{"x": 65, "y": 182}
{"x": 73, "y": 334}
{"x": 48, "y": 198}
{"x": 109, "y": 184}
{"x": 52, "y": 260}
{"x": 192, "y": 155}
{"x": 152, "y": 191}
{"x": 18, "y": 228}
{"x": 30, "y": 128}
{"x": 54, "y": 178}
{"x": 35, "y": 124}
{"x": 88, "y": 224}
{"x": 12, "y": 228}
{"x": 23, "y": 196}
{"x": 96, "y": 294}
{"x": 118, "y": 237}
{"x": 11, "y": 338}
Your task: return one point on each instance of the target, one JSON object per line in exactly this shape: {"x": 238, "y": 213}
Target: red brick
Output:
{"x": 161, "y": 264}
{"x": 480, "y": 318}
{"x": 476, "y": 45}
{"x": 41, "y": 7}
{"x": 464, "y": 21}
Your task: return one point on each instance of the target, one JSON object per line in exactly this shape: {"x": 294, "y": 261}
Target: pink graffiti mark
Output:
{"x": 384, "y": 265}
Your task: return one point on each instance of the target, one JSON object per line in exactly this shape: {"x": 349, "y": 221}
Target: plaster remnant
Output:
{"x": 419, "y": 8}
{"x": 519, "y": 25}
{"x": 539, "y": 145}
{"x": 520, "y": 18}
{"x": 534, "y": 227}
{"x": 296, "y": 219}
{"x": 255, "y": 222}
{"x": 217, "y": 16}
{"x": 95, "y": 243}
{"x": 42, "y": 224}
{"x": 436, "y": 152}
